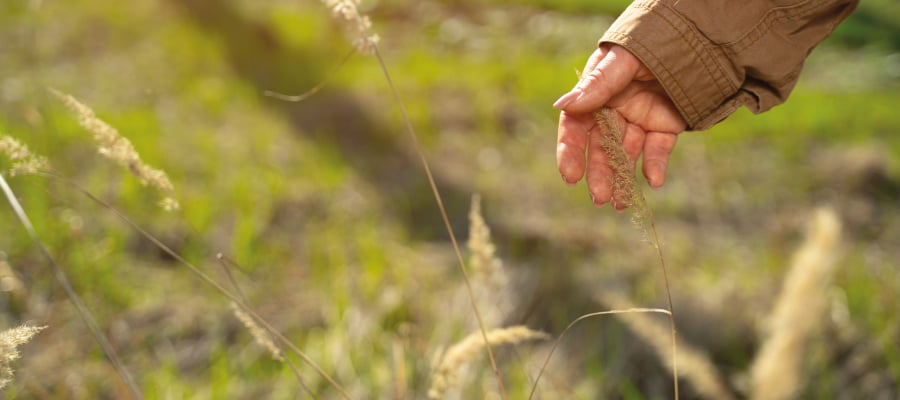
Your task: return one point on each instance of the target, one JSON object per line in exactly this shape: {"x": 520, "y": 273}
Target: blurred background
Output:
{"x": 324, "y": 206}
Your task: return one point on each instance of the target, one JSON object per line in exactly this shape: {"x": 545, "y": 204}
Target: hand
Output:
{"x": 615, "y": 78}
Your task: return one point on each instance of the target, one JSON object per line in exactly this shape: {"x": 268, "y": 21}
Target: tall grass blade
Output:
{"x": 437, "y": 197}
{"x": 63, "y": 280}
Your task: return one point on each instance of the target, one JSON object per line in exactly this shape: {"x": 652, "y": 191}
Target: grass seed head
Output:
{"x": 10, "y": 340}
{"x": 260, "y": 335}
{"x": 460, "y": 354}
{"x": 358, "y": 25}
{"x": 119, "y": 149}
{"x": 24, "y": 161}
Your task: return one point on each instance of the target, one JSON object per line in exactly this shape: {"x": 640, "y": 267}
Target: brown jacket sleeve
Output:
{"x": 712, "y": 56}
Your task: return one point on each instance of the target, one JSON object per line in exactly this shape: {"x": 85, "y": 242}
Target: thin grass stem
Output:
{"x": 208, "y": 280}
{"x": 63, "y": 280}
{"x": 437, "y": 197}
{"x": 575, "y": 322}
{"x": 309, "y": 93}
{"x": 225, "y": 262}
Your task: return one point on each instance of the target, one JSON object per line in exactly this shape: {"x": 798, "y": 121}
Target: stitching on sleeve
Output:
{"x": 692, "y": 109}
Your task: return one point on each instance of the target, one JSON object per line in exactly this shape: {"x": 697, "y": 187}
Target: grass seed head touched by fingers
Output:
{"x": 624, "y": 189}
{"x": 119, "y": 149}
{"x": 10, "y": 340}
{"x": 24, "y": 161}
{"x": 458, "y": 355}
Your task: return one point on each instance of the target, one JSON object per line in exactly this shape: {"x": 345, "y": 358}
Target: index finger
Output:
{"x": 615, "y": 69}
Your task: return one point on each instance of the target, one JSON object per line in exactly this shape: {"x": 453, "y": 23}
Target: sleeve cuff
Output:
{"x": 696, "y": 75}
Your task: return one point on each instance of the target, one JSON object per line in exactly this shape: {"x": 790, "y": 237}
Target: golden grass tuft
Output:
{"x": 483, "y": 260}
{"x": 119, "y": 149}
{"x": 776, "y": 372}
{"x": 24, "y": 161}
{"x": 10, "y": 340}
{"x": 461, "y": 353}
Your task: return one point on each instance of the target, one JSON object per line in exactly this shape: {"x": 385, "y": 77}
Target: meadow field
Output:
{"x": 780, "y": 231}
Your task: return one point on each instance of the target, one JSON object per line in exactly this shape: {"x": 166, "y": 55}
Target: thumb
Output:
{"x": 612, "y": 74}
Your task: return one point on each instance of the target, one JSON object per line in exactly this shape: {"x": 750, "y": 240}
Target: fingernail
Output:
{"x": 566, "y": 99}
{"x": 593, "y": 201}
{"x": 566, "y": 180}
{"x": 620, "y": 208}
{"x": 615, "y": 205}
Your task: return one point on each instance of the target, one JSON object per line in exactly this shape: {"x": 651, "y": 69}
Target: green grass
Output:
{"x": 326, "y": 210}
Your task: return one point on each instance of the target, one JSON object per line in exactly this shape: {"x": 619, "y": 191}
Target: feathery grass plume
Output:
{"x": 625, "y": 190}
{"x": 798, "y": 311}
{"x": 10, "y": 340}
{"x": 482, "y": 258}
{"x": 119, "y": 149}
{"x": 346, "y": 12}
{"x": 461, "y": 353}
{"x": 491, "y": 284}
{"x": 694, "y": 365}
{"x": 260, "y": 335}
{"x": 24, "y": 161}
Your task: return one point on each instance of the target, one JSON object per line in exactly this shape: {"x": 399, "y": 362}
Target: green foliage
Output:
{"x": 324, "y": 207}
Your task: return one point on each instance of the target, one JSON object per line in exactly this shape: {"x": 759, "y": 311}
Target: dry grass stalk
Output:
{"x": 798, "y": 311}
{"x": 627, "y": 193}
{"x": 461, "y": 353}
{"x": 119, "y": 149}
{"x": 260, "y": 335}
{"x": 347, "y": 13}
{"x": 10, "y": 340}
{"x": 24, "y": 161}
{"x": 694, "y": 365}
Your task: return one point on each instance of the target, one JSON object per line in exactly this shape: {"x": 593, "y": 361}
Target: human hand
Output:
{"x": 615, "y": 78}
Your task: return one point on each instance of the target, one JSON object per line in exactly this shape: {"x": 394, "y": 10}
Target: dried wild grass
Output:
{"x": 460, "y": 354}
{"x": 627, "y": 193}
{"x": 776, "y": 372}
{"x": 24, "y": 161}
{"x": 347, "y": 13}
{"x": 10, "y": 340}
{"x": 119, "y": 149}
{"x": 695, "y": 366}
{"x": 483, "y": 260}
{"x": 260, "y": 335}
{"x": 625, "y": 187}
